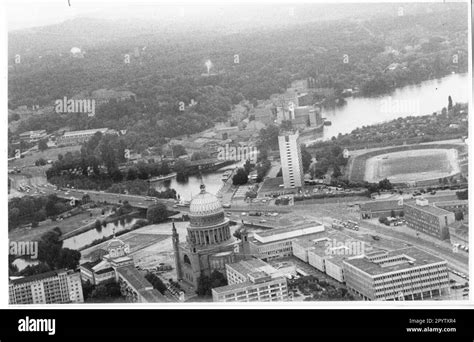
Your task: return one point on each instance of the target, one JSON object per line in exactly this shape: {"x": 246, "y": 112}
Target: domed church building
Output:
{"x": 209, "y": 242}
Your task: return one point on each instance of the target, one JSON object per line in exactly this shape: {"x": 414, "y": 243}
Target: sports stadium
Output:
{"x": 421, "y": 164}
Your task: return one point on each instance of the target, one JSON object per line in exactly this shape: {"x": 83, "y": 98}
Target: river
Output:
{"x": 422, "y": 99}
{"x": 190, "y": 187}
{"x": 83, "y": 239}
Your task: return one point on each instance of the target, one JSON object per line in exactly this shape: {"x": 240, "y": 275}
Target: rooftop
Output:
{"x": 105, "y": 270}
{"x": 449, "y": 203}
{"x": 90, "y": 264}
{"x": 430, "y": 209}
{"x": 397, "y": 260}
{"x": 87, "y": 131}
{"x": 134, "y": 277}
{"x": 244, "y": 285}
{"x": 246, "y": 267}
{"x": 381, "y": 205}
{"x": 37, "y": 277}
{"x": 153, "y": 296}
{"x": 287, "y": 232}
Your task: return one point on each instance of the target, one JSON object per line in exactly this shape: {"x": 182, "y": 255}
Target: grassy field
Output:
{"x": 67, "y": 225}
{"x": 50, "y": 154}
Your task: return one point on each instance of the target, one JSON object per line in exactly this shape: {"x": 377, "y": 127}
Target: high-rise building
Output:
{"x": 55, "y": 287}
{"x": 291, "y": 163}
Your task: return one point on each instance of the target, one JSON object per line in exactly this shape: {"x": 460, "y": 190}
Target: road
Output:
{"x": 326, "y": 213}
{"x": 98, "y": 196}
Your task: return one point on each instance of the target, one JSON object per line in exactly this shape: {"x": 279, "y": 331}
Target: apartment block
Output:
{"x": 55, "y": 287}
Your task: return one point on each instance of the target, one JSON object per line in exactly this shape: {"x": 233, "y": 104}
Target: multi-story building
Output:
{"x": 252, "y": 281}
{"x": 117, "y": 265}
{"x": 79, "y": 137}
{"x": 328, "y": 252}
{"x": 277, "y": 243}
{"x": 376, "y": 209}
{"x": 428, "y": 219}
{"x": 454, "y": 206}
{"x": 55, "y": 287}
{"x": 291, "y": 163}
{"x": 403, "y": 274}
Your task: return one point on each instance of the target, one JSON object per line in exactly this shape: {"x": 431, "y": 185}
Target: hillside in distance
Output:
{"x": 169, "y": 67}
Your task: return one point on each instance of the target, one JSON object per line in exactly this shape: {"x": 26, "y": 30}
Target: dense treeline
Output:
{"x": 337, "y": 54}
{"x": 34, "y": 209}
{"x": 51, "y": 256}
{"x": 96, "y": 166}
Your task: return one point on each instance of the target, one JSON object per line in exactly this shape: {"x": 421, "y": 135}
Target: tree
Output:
{"x": 462, "y": 195}
{"x": 13, "y": 217}
{"x": 247, "y": 166}
{"x": 108, "y": 289}
{"x": 40, "y": 162}
{"x": 132, "y": 173}
{"x": 200, "y": 155}
{"x": 336, "y": 173}
{"x": 240, "y": 177}
{"x": 43, "y": 145}
{"x": 68, "y": 258}
{"x": 459, "y": 216}
{"x": 305, "y": 158}
{"x": 157, "y": 213}
{"x": 385, "y": 184}
{"x": 392, "y": 213}
{"x": 450, "y": 103}
{"x": 286, "y": 125}
{"x": 206, "y": 284}
{"x": 178, "y": 150}
{"x": 86, "y": 198}
{"x": 156, "y": 282}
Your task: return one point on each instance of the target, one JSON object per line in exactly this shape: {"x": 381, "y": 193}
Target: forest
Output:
{"x": 166, "y": 75}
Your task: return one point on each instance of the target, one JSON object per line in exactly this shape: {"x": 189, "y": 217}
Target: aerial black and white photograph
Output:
{"x": 253, "y": 152}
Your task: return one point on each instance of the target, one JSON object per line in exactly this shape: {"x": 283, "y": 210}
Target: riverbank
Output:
{"x": 108, "y": 219}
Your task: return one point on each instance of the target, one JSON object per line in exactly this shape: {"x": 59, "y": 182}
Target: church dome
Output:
{"x": 205, "y": 209}
{"x": 115, "y": 243}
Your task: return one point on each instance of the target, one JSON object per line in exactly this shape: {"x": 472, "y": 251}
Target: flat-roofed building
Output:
{"x": 79, "y": 137}
{"x": 375, "y": 209}
{"x": 291, "y": 162}
{"x": 277, "y": 243}
{"x": 428, "y": 219}
{"x": 326, "y": 253}
{"x": 251, "y": 281}
{"x": 33, "y": 136}
{"x": 403, "y": 274}
{"x": 118, "y": 266}
{"x": 54, "y": 287}
{"x": 454, "y": 206}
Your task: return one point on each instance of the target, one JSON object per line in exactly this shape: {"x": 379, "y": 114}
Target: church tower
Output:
{"x": 245, "y": 246}
{"x": 175, "y": 237}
